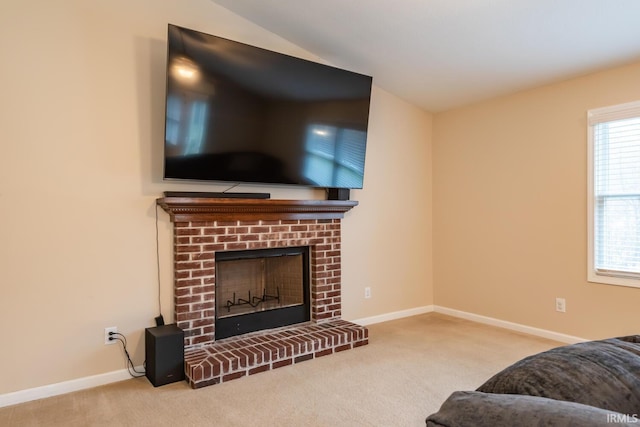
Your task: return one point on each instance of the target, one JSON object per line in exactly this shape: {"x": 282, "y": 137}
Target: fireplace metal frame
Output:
{"x": 226, "y": 327}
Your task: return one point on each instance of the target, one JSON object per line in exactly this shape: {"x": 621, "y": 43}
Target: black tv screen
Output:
{"x": 243, "y": 114}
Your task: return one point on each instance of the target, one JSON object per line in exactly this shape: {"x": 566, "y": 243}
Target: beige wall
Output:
{"x": 81, "y": 125}
{"x": 389, "y": 233}
{"x": 510, "y": 234}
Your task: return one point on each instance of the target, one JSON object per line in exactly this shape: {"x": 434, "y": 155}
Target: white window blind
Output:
{"x": 614, "y": 199}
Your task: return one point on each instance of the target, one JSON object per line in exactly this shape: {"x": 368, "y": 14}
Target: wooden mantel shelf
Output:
{"x": 187, "y": 209}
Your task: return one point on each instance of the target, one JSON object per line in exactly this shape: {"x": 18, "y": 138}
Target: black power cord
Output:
{"x": 159, "y": 319}
{"x": 130, "y": 367}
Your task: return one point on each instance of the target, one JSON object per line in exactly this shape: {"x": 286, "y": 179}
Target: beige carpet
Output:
{"x": 408, "y": 369}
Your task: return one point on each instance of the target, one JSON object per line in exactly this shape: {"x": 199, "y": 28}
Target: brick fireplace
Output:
{"x": 204, "y": 227}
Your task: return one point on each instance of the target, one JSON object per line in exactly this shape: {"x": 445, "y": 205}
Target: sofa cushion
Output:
{"x": 477, "y": 409}
{"x": 604, "y": 374}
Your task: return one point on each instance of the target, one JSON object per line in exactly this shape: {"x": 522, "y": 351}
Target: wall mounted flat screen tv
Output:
{"x": 242, "y": 114}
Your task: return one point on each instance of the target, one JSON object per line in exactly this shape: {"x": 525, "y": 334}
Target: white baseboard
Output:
{"x": 568, "y": 339}
{"x": 51, "y": 390}
{"x": 115, "y": 376}
{"x": 394, "y": 315}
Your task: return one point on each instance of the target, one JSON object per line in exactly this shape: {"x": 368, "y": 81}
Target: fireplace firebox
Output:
{"x": 261, "y": 289}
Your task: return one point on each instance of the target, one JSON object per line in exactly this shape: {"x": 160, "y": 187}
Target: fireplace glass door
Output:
{"x": 261, "y": 289}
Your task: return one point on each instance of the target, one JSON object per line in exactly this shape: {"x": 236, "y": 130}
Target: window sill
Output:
{"x": 593, "y": 277}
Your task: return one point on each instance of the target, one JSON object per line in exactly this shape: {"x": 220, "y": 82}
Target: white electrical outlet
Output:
{"x": 367, "y": 292}
{"x": 561, "y": 305}
{"x": 107, "y": 341}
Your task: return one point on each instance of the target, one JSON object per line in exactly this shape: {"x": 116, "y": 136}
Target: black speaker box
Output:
{"x": 164, "y": 354}
{"x": 338, "y": 194}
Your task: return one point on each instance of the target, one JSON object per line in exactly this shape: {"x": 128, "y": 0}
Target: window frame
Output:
{"x": 595, "y": 117}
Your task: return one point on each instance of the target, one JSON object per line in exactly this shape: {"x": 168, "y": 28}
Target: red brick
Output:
{"x": 204, "y": 272}
{"x": 222, "y": 362}
{"x": 326, "y": 340}
{"x": 181, "y": 292}
{"x": 181, "y": 275}
{"x": 303, "y": 358}
{"x": 254, "y": 357}
{"x": 237, "y": 230}
{"x": 324, "y": 352}
{"x": 187, "y": 299}
{"x": 243, "y": 358}
{"x": 188, "y": 332}
{"x": 184, "y": 240}
{"x": 259, "y": 369}
{"x": 202, "y": 223}
{"x": 324, "y": 288}
{"x": 188, "y": 248}
{"x": 282, "y": 363}
{"x": 213, "y": 231}
{"x": 180, "y": 231}
{"x": 213, "y": 248}
{"x": 187, "y": 265}
{"x": 233, "y": 376}
{"x": 235, "y": 246}
{"x": 202, "y": 306}
{"x": 322, "y": 316}
{"x": 268, "y": 236}
{"x": 181, "y": 257}
{"x": 266, "y": 352}
{"x": 205, "y": 239}
{"x": 342, "y": 348}
{"x": 190, "y": 315}
{"x": 302, "y": 344}
{"x": 203, "y": 339}
{"x": 203, "y": 256}
{"x": 226, "y": 223}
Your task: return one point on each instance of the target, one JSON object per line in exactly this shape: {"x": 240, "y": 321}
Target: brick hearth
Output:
{"x": 256, "y": 352}
{"x": 205, "y": 226}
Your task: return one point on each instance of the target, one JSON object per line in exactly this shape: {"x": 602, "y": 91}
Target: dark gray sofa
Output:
{"x": 595, "y": 383}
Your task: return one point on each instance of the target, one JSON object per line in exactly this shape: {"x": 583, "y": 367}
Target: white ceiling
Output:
{"x": 441, "y": 54}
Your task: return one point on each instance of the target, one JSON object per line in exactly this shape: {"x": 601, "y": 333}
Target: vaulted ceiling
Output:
{"x": 442, "y": 54}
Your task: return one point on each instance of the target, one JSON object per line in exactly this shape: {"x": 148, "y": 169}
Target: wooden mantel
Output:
{"x": 187, "y": 209}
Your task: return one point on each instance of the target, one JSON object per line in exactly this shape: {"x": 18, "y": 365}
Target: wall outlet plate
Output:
{"x": 107, "y": 341}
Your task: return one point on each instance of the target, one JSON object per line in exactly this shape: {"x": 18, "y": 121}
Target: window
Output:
{"x": 614, "y": 195}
